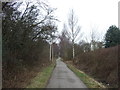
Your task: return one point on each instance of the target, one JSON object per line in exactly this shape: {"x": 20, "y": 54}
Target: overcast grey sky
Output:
{"x": 92, "y": 14}
{"x": 96, "y": 14}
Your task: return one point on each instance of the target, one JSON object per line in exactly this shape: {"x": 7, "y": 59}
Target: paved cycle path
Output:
{"x": 63, "y": 77}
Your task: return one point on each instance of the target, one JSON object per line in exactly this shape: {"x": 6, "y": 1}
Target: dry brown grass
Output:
{"x": 102, "y": 64}
{"x": 20, "y": 77}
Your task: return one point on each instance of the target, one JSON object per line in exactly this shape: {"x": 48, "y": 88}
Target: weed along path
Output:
{"x": 63, "y": 77}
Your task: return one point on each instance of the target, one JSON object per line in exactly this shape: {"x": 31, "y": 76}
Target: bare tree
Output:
{"x": 95, "y": 37}
{"x": 74, "y": 31}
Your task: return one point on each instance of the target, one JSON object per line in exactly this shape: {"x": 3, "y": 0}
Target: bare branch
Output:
{"x": 78, "y": 38}
{"x": 77, "y": 32}
{"x": 25, "y": 10}
{"x": 47, "y": 16}
{"x": 72, "y": 20}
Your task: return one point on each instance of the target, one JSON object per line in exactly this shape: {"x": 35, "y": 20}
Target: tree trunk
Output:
{"x": 73, "y": 50}
{"x": 50, "y": 53}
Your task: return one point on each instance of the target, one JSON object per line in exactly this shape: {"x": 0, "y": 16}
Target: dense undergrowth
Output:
{"x": 25, "y": 41}
{"x": 87, "y": 80}
{"x": 102, "y": 64}
{"x": 20, "y": 77}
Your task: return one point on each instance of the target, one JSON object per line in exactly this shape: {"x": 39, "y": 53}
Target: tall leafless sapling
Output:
{"x": 74, "y": 31}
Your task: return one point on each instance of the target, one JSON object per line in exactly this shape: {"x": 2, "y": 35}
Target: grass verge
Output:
{"x": 42, "y": 78}
{"x": 87, "y": 80}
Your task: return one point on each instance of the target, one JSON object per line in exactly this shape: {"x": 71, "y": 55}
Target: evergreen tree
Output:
{"x": 112, "y": 37}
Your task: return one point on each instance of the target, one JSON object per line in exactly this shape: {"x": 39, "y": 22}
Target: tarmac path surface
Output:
{"x": 63, "y": 77}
